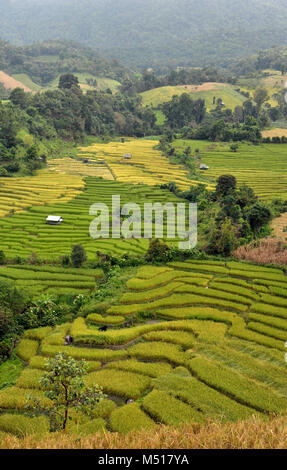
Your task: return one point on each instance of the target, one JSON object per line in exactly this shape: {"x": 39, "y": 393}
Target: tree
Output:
{"x": 78, "y": 255}
{"x": 64, "y": 386}
{"x": 68, "y": 81}
{"x": 18, "y": 97}
{"x": 157, "y": 250}
{"x": 32, "y": 154}
{"x": 223, "y": 238}
{"x": 234, "y": 147}
{"x": 260, "y": 96}
{"x": 225, "y": 184}
{"x": 258, "y": 216}
{"x": 246, "y": 196}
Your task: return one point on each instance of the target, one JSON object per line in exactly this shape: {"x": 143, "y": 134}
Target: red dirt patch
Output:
{"x": 10, "y": 83}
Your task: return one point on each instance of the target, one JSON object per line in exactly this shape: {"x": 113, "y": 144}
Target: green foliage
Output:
{"x": 226, "y": 184}
{"x": 78, "y": 256}
{"x": 65, "y": 387}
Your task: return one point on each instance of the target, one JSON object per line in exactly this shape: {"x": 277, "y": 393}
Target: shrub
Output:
{"x": 78, "y": 256}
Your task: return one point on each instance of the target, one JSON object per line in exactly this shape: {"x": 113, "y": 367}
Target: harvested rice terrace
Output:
{"x": 207, "y": 341}
{"x": 27, "y": 232}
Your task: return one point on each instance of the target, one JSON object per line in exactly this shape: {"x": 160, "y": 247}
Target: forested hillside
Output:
{"x": 152, "y": 32}
{"x": 43, "y": 62}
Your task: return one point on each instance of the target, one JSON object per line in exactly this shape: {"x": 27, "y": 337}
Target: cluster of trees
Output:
{"x": 180, "y": 76}
{"x": 191, "y": 119}
{"x": 66, "y": 113}
{"x": 70, "y": 113}
{"x": 274, "y": 59}
{"x": 229, "y": 216}
{"x": 239, "y": 216}
{"x": 16, "y": 153}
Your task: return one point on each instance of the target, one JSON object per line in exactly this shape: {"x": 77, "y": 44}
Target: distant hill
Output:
{"x": 39, "y": 65}
{"x": 207, "y": 92}
{"x": 152, "y": 33}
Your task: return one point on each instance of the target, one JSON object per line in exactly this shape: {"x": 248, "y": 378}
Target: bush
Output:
{"x": 157, "y": 251}
{"x": 78, "y": 256}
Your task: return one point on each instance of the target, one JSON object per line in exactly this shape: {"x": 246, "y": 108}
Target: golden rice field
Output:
{"x": 147, "y": 165}
{"x": 276, "y": 132}
{"x": 207, "y": 343}
{"x": 71, "y": 166}
{"x": 17, "y": 194}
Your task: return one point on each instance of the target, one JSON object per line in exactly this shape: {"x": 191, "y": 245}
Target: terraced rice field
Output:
{"x": 26, "y": 233}
{"x": 211, "y": 346}
{"x": 147, "y": 165}
{"x": 70, "y": 166}
{"x": 50, "y": 279}
{"x": 18, "y": 194}
{"x": 262, "y": 167}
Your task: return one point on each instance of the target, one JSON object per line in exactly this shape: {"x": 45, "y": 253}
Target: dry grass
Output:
{"x": 276, "y": 132}
{"x": 251, "y": 434}
{"x": 265, "y": 252}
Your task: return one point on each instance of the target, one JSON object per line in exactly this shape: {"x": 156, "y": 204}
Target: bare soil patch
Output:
{"x": 204, "y": 87}
{"x": 10, "y": 83}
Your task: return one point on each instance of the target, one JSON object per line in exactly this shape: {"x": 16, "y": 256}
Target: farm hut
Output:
{"x": 54, "y": 220}
{"x": 204, "y": 167}
{"x": 127, "y": 156}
